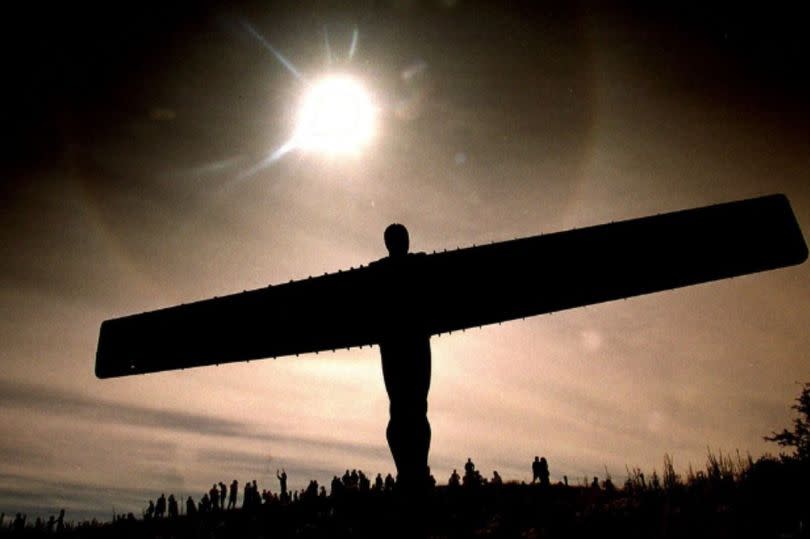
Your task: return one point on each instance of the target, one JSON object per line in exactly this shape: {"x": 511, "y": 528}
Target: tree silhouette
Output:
{"x": 800, "y": 437}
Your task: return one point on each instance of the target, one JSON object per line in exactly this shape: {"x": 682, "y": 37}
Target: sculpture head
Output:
{"x": 396, "y": 240}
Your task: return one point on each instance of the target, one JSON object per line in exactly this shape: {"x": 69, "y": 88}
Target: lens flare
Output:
{"x": 337, "y": 117}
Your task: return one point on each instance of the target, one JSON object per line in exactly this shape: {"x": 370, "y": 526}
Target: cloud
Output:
{"x": 260, "y": 464}
{"x": 61, "y": 402}
{"x": 29, "y": 493}
{"x": 67, "y": 403}
{"x": 22, "y": 456}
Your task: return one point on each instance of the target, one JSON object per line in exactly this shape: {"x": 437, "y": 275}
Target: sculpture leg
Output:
{"x": 408, "y": 436}
{"x": 406, "y": 369}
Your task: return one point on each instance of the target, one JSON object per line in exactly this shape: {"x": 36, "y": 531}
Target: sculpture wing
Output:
{"x": 317, "y": 314}
{"x": 459, "y": 289}
{"x": 541, "y": 274}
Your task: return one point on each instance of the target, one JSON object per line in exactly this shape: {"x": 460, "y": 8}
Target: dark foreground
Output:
{"x": 770, "y": 498}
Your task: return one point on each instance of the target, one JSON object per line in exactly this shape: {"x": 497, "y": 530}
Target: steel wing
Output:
{"x": 459, "y": 289}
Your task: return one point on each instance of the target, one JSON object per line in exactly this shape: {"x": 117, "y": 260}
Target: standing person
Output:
{"x": 191, "y": 509}
{"x": 543, "y": 474}
{"x": 160, "y": 506}
{"x": 247, "y": 496}
{"x": 150, "y": 511}
{"x": 536, "y": 469}
{"x": 378, "y": 483}
{"x": 365, "y": 482}
{"x": 205, "y": 504}
{"x": 282, "y": 479}
{"x": 470, "y": 479}
{"x": 232, "y": 494}
{"x": 223, "y": 493}
{"x": 214, "y": 496}
{"x": 354, "y": 480}
{"x": 337, "y": 486}
{"x": 389, "y": 483}
{"x": 347, "y": 480}
{"x": 173, "y": 509}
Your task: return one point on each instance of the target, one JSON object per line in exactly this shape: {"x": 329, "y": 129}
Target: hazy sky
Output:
{"x": 127, "y": 189}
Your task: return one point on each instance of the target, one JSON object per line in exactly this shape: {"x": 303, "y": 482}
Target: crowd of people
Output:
{"x": 53, "y": 524}
{"x": 762, "y": 499}
{"x": 222, "y": 500}
{"x": 221, "y": 497}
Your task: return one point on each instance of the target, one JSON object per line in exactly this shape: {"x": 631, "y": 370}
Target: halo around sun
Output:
{"x": 337, "y": 116}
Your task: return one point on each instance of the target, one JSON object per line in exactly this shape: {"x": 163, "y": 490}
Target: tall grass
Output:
{"x": 719, "y": 469}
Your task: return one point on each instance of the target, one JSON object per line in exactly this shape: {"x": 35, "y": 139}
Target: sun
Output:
{"x": 337, "y": 116}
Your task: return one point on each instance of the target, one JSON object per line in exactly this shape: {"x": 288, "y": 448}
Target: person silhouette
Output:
{"x": 405, "y": 352}
{"x": 469, "y": 467}
{"x": 213, "y": 494}
{"x": 191, "y": 509}
{"x": 160, "y": 506}
{"x": 378, "y": 483}
{"x": 354, "y": 480}
{"x": 173, "y": 509}
{"x": 337, "y": 486}
{"x": 232, "y": 494}
{"x": 543, "y": 474}
{"x": 205, "y": 504}
{"x": 222, "y": 495}
{"x": 389, "y": 483}
{"x": 282, "y": 479}
{"x": 364, "y": 483}
{"x": 536, "y": 469}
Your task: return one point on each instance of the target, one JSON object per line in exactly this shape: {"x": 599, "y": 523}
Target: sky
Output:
{"x": 137, "y": 178}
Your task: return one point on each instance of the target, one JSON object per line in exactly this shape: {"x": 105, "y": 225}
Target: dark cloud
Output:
{"x": 66, "y": 403}
{"x": 11, "y": 451}
{"x": 23, "y": 492}
{"x": 243, "y": 462}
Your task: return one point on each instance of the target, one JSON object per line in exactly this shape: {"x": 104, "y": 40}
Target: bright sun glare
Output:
{"x": 336, "y": 116}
